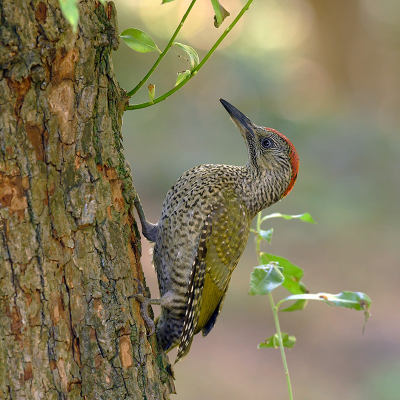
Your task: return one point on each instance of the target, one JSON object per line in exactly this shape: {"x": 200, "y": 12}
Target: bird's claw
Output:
{"x": 144, "y": 306}
{"x": 140, "y": 287}
{"x": 139, "y": 297}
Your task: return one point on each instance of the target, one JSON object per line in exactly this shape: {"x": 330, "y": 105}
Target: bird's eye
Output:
{"x": 266, "y": 143}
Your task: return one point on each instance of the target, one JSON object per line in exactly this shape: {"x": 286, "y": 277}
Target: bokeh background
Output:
{"x": 327, "y": 75}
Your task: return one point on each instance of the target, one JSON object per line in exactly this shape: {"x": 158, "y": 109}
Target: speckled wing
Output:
{"x": 225, "y": 245}
{"x": 223, "y": 239}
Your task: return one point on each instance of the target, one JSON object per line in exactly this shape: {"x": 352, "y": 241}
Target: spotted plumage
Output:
{"x": 204, "y": 227}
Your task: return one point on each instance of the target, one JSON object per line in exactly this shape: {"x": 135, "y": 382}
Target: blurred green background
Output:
{"x": 327, "y": 75}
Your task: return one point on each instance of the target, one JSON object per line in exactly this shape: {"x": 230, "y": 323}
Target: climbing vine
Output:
{"x": 142, "y": 42}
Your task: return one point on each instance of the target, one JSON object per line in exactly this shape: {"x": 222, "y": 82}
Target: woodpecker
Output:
{"x": 204, "y": 227}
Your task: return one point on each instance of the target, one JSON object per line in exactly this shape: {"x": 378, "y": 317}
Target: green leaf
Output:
{"x": 191, "y": 52}
{"x": 267, "y": 235}
{"x": 265, "y": 278}
{"x": 306, "y": 217}
{"x": 166, "y": 1}
{"x": 182, "y": 76}
{"x": 71, "y": 12}
{"x": 138, "y": 40}
{"x": 273, "y": 341}
{"x": 298, "y": 305}
{"x": 152, "y": 91}
{"x": 220, "y": 13}
{"x": 103, "y": 2}
{"x": 291, "y": 272}
{"x": 354, "y": 300}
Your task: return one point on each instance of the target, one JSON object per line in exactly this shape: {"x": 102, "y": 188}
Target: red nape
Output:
{"x": 294, "y": 159}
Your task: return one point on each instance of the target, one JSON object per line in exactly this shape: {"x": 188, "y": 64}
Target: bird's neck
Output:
{"x": 260, "y": 189}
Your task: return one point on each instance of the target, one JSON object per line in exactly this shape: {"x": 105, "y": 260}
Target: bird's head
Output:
{"x": 268, "y": 149}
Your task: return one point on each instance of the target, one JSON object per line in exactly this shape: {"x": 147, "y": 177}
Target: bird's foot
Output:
{"x": 144, "y": 307}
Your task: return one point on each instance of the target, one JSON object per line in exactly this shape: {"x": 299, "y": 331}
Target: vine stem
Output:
{"x": 276, "y": 318}
{"x": 278, "y": 330}
{"x": 161, "y": 56}
{"x": 195, "y": 70}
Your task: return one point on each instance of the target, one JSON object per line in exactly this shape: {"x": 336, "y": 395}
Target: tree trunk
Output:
{"x": 69, "y": 244}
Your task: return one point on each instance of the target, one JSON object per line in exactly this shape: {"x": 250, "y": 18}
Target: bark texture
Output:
{"x": 69, "y": 244}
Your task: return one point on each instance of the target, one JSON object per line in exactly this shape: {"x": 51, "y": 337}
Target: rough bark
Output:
{"x": 69, "y": 244}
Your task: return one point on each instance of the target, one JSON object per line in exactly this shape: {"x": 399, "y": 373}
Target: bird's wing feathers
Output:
{"x": 230, "y": 231}
{"x": 195, "y": 289}
{"x": 222, "y": 241}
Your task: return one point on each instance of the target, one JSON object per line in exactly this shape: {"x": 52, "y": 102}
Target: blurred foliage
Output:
{"x": 70, "y": 11}
{"x": 326, "y": 74}
{"x": 384, "y": 383}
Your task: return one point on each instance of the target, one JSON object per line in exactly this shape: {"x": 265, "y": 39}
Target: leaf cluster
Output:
{"x": 276, "y": 271}
{"x": 141, "y": 42}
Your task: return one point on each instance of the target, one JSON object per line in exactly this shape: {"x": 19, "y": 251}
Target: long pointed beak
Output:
{"x": 240, "y": 120}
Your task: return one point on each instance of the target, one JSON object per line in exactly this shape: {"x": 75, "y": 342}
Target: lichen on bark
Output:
{"x": 69, "y": 248}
